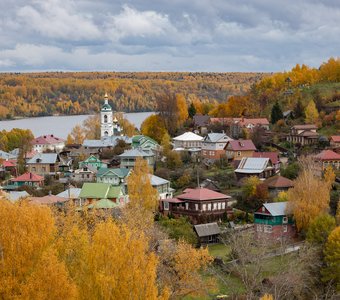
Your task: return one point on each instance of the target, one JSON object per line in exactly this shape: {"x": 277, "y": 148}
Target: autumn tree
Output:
{"x": 181, "y": 110}
{"x": 77, "y": 135}
{"x": 311, "y": 113}
{"x": 143, "y": 198}
{"x": 91, "y": 127}
{"x": 154, "y": 127}
{"x": 331, "y": 271}
{"x": 129, "y": 129}
{"x": 320, "y": 228}
{"x": 309, "y": 197}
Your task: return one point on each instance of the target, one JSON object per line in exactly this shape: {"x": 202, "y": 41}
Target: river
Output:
{"x": 61, "y": 126}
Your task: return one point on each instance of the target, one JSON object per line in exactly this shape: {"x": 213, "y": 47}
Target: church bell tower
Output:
{"x": 106, "y": 124}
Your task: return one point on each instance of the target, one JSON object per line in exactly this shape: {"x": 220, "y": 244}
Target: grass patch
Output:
{"x": 328, "y": 130}
{"x": 219, "y": 250}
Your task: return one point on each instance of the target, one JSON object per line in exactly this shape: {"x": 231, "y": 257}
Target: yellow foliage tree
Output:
{"x": 308, "y": 199}
{"x": 182, "y": 110}
{"x": 311, "y": 113}
{"x": 49, "y": 280}
{"x": 154, "y": 127}
{"x": 143, "y": 198}
{"x": 267, "y": 297}
{"x": 331, "y": 272}
{"x": 329, "y": 176}
{"x": 121, "y": 266}
{"x": 25, "y": 232}
{"x": 77, "y": 134}
{"x": 282, "y": 197}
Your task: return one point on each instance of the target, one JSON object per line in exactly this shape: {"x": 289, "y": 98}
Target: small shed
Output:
{"x": 208, "y": 233}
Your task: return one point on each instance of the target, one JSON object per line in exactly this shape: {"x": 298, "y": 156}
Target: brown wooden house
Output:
{"x": 200, "y": 205}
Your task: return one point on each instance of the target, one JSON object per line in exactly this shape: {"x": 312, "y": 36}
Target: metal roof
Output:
{"x": 106, "y": 142}
{"x": 6, "y": 155}
{"x": 207, "y": 229}
{"x": 155, "y": 180}
{"x": 43, "y": 158}
{"x": 217, "y": 137}
{"x": 120, "y": 172}
{"x": 252, "y": 165}
{"x": 135, "y": 153}
{"x": 188, "y": 136}
{"x": 276, "y": 208}
{"x": 70, "y": 193}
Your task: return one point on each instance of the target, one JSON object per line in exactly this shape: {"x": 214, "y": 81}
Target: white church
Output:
{"x": 108, "y": 126}
{"x": 110, "y": 130}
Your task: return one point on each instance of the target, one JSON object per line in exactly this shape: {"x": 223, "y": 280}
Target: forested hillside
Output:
{"x": 38, "y": 94}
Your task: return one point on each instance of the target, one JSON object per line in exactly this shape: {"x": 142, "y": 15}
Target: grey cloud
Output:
{"x": 257, "y": 35}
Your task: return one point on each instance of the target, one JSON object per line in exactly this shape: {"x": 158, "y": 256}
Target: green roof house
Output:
{"x": 92, "y": 192}
{"x": 129, "y": 157}
{"x": 112, "y": 176}
{"x": 145, "y": 143}
{"x": 93, "y": 163}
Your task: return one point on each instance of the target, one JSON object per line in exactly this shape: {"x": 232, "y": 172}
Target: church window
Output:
{"x": 106, "y": 133}
{"x": 105, "y": 118}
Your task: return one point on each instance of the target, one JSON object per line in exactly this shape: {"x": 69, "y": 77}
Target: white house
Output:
{"x": 188, "y": 141}
{"x": 48, "y": 142}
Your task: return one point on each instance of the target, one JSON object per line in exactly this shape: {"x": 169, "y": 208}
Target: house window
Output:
{"x": 238, "y": 153}
{"x": 219, "y": 205}
{"x": 204, "y": 152}
{"x": 267, "y": 228}
{"x": 196, "y": 206}
{"x": 215, "y": 206}
{"x": 285, "y": 220}
{"x": 210, "y": 238}
{"x": 285, "y": 228}
{"x": 33, "y": 169}
{"x": 209, "y": 206}
{"x": 204, "y": 207}
{"x": 263, "y": 209}
{"x": 186, "y": 206}
{"x": 223, "y": 205}
{"x": 166, "y": 205}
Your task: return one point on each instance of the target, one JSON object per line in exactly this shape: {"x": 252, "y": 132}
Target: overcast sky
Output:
{"x": 167, "y": 35}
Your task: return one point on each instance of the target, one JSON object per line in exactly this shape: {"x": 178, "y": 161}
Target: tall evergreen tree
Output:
{"x": 298, "y": 110}
{"x": 191, "y": 110}
{"x": 276, "y": 113}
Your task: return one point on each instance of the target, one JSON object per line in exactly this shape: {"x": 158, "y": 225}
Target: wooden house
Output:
{"x": 254, "y": 166}
{"x": 213, "y": 146}
{"x": 303, "y": 134}
{"x": 238, "y": 149}
{"x": 200, "y": 205}
{"x": 277, "y": 184}
{"x": 92, "y": 163}
{"x": 48, "y": 142}
{"x": 208, "y": 233}
{"x": 129, "y": 157}
{"x": 334, "y": 141}
{"x": 44, "y": 164}
{"x": 273, "y": 221}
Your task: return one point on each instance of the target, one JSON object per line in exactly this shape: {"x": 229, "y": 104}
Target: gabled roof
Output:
{"x": 273, "y": 156}
{"x": 103, "y": 204}
{"x": 242, "y": 145}
{"x": 335, "y": 138}
{"x": 328, "y": 155}
{"x": 142, "y": 139}
{"x": 115, "y": 191}
{"x": 201, "y": 194}
{"x": 6, "y": 155}
{"x": 155, "y": 180}
{"x": 132, "y": 153}
{"x": 201, "y": 120}
{"x": 305, "y": 127}
{"x": 107, "y": 142}
{"x": 188, "y": 136}
{"x": 17, "y": 195}
{"x": 44, "y": 158}
{"x": 120, "y": 172}
{"x": 91, "y": 158}
{"x": 31, "y": 177}
{"x": 217, "y": 137}
{"x": 257, "y": 121}
{"x": 94, "y": 190}
{"x": 8, "y": 163}
{"x": 48, "y": 139}
{"x": 252, "y": 165}
{"x": 72, "y": 193}
{"x": 278, "y": 182}
{"x": 207, "y": 229}
{"x": 276, "y": 208}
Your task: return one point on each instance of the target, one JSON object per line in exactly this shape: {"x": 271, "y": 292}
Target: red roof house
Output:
{"x": 28, "y": 178}
{"x": 335, "y": 140}
{"x": 328, "y": 158}
{"x": 238, "y": 149}
{"x": 48, "y": 142}
{"x": 200, "y": 205}
{"x": 278, "y": 184}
